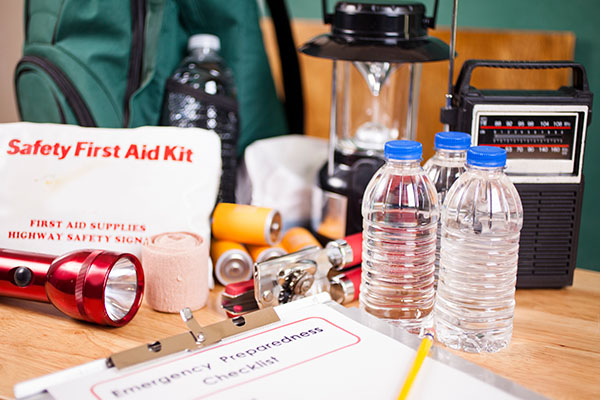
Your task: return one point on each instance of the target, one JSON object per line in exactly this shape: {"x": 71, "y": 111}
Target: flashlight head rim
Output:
{"x": 139, "y": 295}
{"x": 76, "y": 285}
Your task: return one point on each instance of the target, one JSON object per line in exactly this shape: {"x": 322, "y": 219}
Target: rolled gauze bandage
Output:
{"x": 176, "y": 269}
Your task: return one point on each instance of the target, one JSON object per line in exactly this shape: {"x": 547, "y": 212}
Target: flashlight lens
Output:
{"x": 121, "y": 289}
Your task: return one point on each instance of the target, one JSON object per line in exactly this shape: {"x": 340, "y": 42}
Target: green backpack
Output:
{"x": 104, "y": 63}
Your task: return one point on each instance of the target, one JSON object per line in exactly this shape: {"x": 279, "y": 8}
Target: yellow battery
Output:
{"x": 298, "y": 238}
{"x": 231, "y": 260}
{"x": 246, "y": 224}
{"x": 264, "y": 253}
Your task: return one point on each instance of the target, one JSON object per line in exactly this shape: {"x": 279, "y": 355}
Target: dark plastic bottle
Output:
{"x": 201, "y": 93}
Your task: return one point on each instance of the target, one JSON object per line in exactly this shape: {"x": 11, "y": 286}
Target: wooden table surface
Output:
{"x": 555, "y": 349}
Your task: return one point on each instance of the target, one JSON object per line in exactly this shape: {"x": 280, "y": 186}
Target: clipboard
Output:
{"x": 310, "y": 348}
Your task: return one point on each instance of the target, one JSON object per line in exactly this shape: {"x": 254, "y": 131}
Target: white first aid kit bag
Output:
{"x": 280, "y": 173}
{"x": 65, "y": 187}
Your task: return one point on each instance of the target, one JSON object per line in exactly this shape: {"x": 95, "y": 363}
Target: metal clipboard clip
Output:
{"x": 194, "y": 339}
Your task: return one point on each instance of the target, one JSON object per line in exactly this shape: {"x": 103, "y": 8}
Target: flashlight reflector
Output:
{"x": 121, "y": 289}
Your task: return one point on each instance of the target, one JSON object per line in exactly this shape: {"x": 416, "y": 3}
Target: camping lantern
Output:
{"x": 377, "y": 51}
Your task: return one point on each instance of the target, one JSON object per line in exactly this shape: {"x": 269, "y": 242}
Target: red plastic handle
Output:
{"x": 354, "y": 276}
{"x": 355, "y": 241}
{"x": 238, "y": 288}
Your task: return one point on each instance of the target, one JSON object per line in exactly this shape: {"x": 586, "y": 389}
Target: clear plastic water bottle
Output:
{"x": 201, "y": 93}
{"x": 443, "y": 169}
{"x": 481, "y": 224}
{"x": 400, "y": 218}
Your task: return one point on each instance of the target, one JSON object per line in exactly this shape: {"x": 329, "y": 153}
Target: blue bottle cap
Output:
{"x": 403, "y": 150}
{"x": 486, "y": 156}
{"x": 452, "y": 141}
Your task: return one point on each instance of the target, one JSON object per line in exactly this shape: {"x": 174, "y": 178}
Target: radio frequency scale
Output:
{"x": 543, "y": 133}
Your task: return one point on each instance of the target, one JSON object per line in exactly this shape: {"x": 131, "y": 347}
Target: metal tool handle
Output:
{"x": 345, "y": 287}
{"x": 463, "y": 82}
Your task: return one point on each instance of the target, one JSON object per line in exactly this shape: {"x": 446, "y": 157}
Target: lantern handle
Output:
{"x": 429, "y": 22}
{"x": 327, "y": 17}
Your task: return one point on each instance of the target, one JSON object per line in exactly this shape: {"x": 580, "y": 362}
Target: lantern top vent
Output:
{"x": 378, "y": 33}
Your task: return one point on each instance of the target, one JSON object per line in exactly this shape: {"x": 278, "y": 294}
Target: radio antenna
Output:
{"x": 451, "y": 66}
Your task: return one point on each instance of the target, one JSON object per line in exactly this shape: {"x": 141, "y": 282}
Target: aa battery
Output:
{"x": 232, "y": 261}
{"x": 246, "y": 224}
{"x": 264, "y": 253}
{"x": 298, "y": 238}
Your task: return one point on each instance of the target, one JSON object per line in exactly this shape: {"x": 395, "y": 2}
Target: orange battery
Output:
{"x": 246, "y": 224}
{"x": 297, "y": 239}
{"x": 231, "y": 260}
{"x": 264, "y": 253}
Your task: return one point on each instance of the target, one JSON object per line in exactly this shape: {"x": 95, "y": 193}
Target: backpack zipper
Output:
{"x": 65, "y": 86}
{"x": 61, "y": 113}
{"x": 136, "y": 55}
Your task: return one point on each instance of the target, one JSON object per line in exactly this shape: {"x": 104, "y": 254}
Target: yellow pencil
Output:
{"x": 414, "y": 370}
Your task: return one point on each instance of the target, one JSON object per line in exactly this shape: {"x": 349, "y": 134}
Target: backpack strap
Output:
{"x": 42, "y": 17}
{"x": 290, "y": 69}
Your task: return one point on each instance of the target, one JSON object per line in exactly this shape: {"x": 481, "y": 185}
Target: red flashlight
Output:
{"x": 92, "y": 285}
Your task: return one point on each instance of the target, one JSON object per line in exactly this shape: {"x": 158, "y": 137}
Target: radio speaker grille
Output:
{"x": 548, "y": 244}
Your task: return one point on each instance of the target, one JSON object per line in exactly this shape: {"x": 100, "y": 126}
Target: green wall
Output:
{"x": 579, "y": 16}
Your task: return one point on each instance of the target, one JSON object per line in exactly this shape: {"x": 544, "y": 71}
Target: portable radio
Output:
{"x": 543, "y": 132}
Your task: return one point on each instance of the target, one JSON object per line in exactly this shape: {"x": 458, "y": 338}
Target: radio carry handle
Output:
{"x": 449, "y": 115}
{"x": 463, "y": 81}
